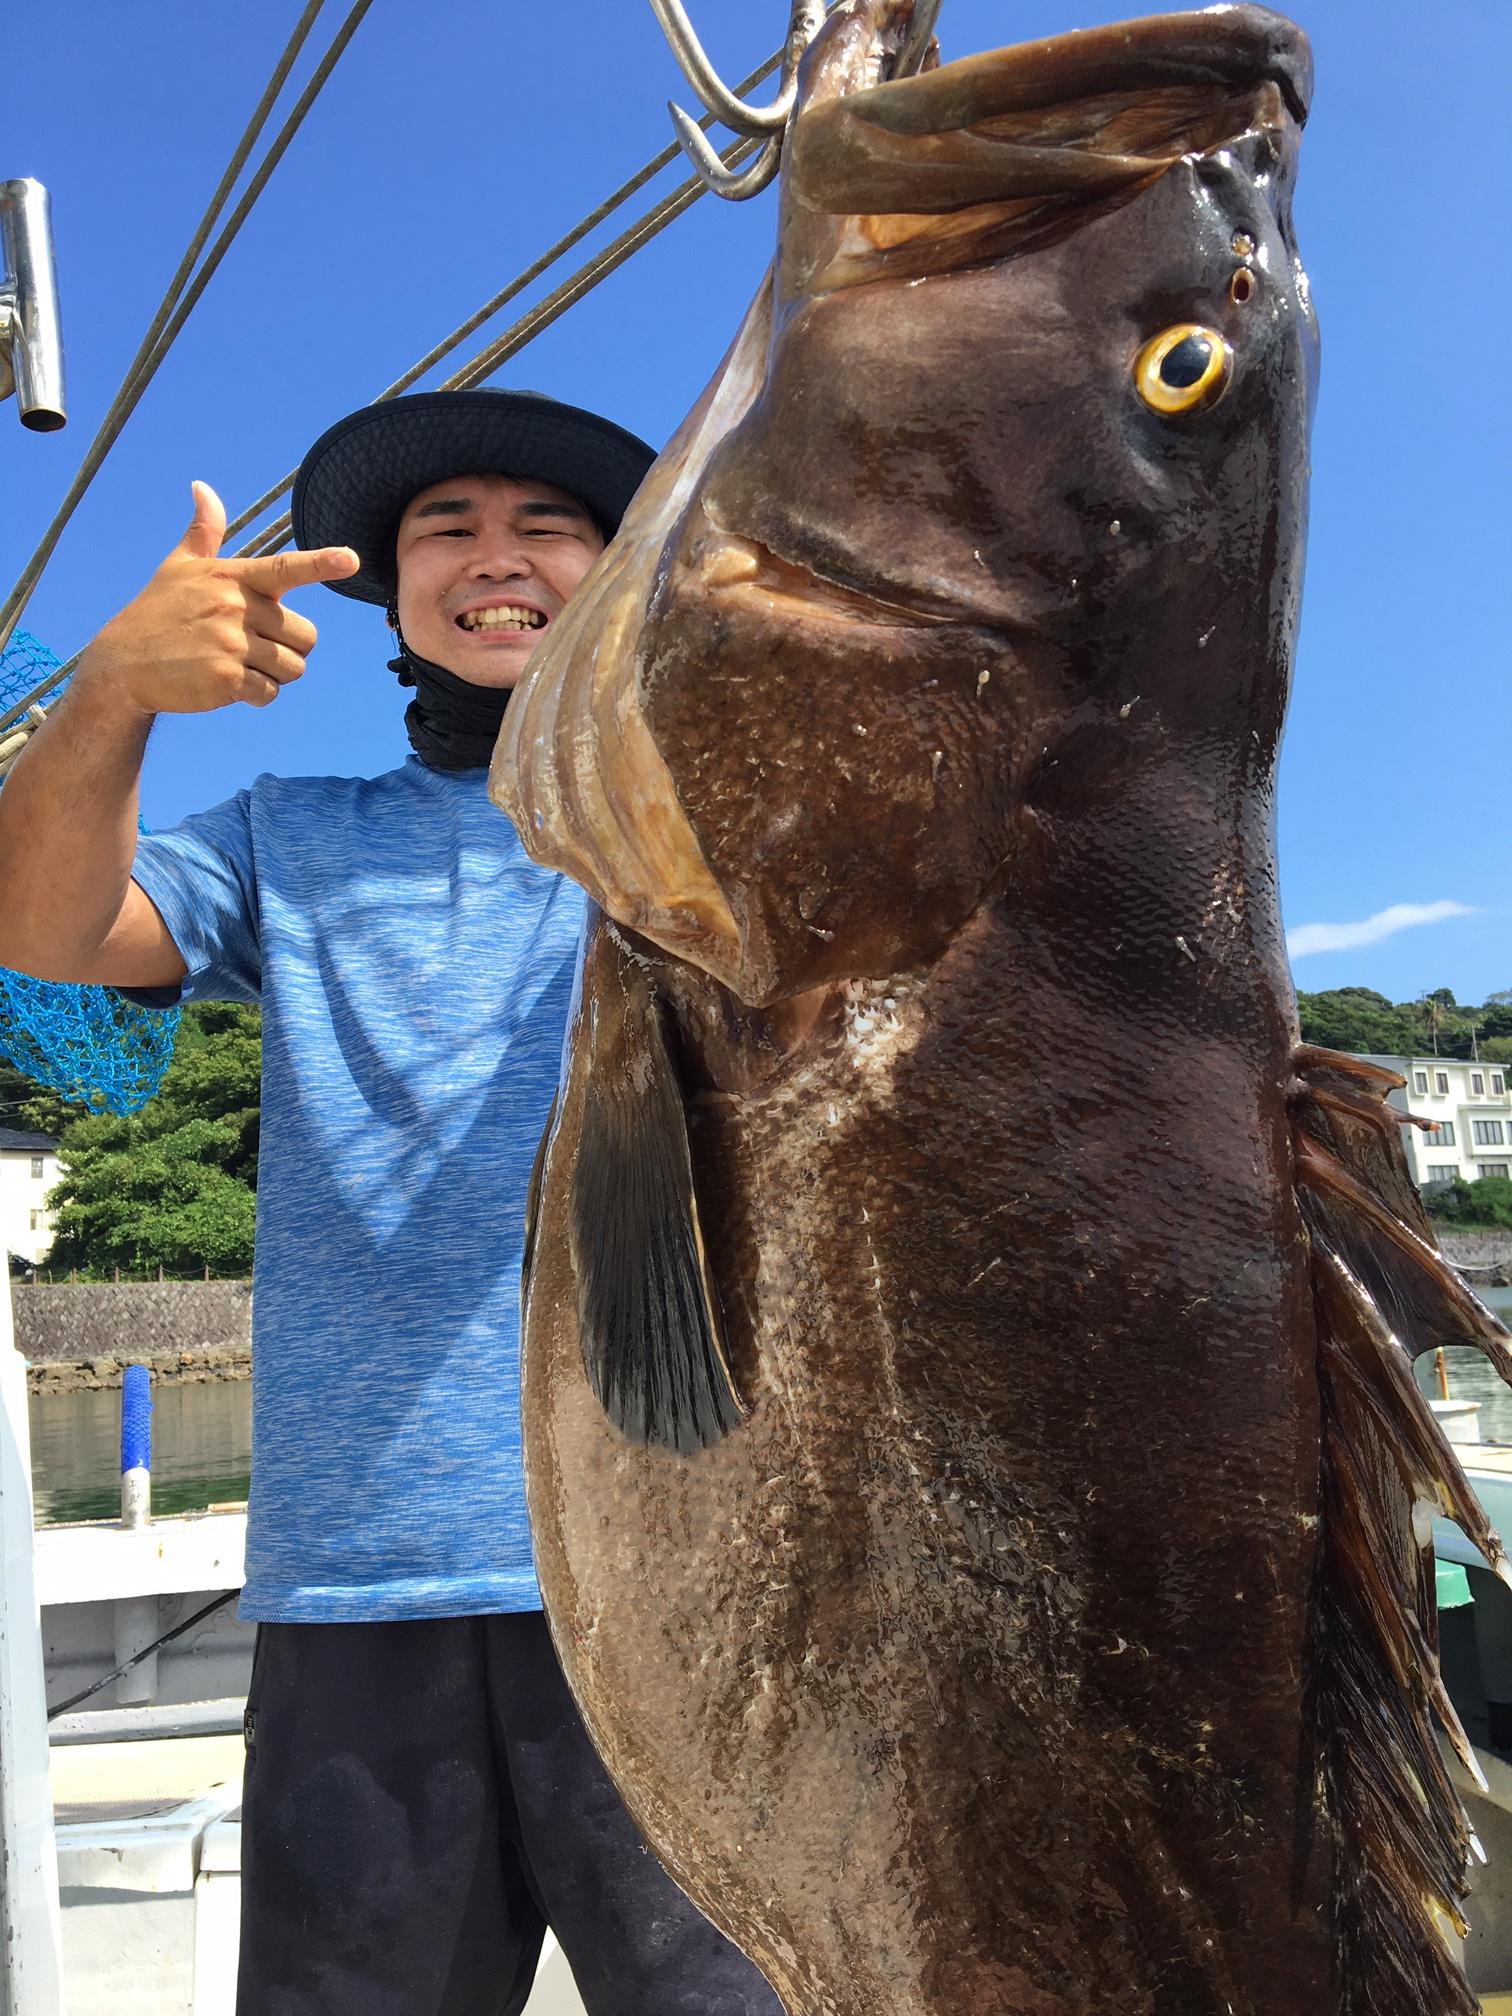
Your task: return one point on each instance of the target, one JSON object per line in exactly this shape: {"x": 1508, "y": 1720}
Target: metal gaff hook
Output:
{"x": 751, "y": 120}
{"x": 732, "y": 183}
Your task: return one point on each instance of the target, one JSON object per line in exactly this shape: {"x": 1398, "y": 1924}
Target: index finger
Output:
{"x": 274, "y": 574}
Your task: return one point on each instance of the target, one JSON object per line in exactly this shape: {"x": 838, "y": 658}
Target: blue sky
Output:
{"x": 456, "y": 140}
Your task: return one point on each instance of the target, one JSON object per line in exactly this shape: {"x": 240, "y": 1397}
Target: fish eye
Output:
{"x": 1183, "y": 369}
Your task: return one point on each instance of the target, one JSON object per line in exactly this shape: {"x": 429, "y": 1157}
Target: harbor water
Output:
{"x": 202, "y": 1437}
{"x": 201, "y": 1450}
{"x": 1471, "y": 1378}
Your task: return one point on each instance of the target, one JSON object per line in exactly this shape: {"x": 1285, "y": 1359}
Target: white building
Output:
{"x": 28, "y": 1170}
{"x": 1471, "y": 1109}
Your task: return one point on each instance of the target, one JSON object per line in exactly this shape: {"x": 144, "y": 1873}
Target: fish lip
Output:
{"x": 1235, "y": 45}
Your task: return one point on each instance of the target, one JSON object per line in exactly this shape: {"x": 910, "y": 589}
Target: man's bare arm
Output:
{"x": 203, "y": 633}
{"x": 69, "y": 909}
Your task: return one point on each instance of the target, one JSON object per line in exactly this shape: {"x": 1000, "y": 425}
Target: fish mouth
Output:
{"x": 737, "y": 566}
{"x": 1075, "y": 116}
{"x": 727, "y": 562}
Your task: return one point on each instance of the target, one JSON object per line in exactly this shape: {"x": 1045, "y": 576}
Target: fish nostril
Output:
{"x": 1241, "y": 287}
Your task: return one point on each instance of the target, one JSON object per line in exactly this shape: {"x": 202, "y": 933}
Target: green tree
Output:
{"x": 29, "y": 1106}
{"x": 175, "y": 1185}
{"x": 1444, "y": 1027}
{"x": 1356, "y": 1018}
{"x": 1484, "y": 1205}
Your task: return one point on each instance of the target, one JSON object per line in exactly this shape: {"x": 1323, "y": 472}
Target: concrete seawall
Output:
{"x": 79, "y": 1335}
{"x": 1484, "y": 1258}
{"x": 1477, "y": 1249}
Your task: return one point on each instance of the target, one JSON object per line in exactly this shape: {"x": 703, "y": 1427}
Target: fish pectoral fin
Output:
{"x": 648, "y": 1320}
{"x": 533, "y": 1200}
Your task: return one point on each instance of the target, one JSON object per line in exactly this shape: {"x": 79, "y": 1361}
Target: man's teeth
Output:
{"x": 506, "y": 618}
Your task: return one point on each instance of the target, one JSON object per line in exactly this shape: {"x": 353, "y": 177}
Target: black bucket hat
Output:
{"x": 353, "y": 486}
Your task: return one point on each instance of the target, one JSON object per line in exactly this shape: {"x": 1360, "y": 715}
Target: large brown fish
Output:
{"x": 980, "y": 1495}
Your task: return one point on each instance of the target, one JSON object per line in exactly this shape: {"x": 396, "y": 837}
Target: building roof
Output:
{"x": 1398, "y": 1062}
{"x": 14, "y": 1141}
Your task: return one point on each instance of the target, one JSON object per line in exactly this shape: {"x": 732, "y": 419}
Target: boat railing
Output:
{"x": 31, "y": 1971}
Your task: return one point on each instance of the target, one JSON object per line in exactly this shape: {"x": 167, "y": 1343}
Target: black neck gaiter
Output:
{"x": 452, "y": 724}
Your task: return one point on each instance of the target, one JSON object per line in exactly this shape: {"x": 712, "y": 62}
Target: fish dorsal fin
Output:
{"x": 647, "y": 1316}
{"x": 1358, "y": 1197}
{"x": 1382, "y": 1294}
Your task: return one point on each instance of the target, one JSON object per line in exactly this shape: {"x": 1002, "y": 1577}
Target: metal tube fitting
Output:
{"x": 31, "y": 333}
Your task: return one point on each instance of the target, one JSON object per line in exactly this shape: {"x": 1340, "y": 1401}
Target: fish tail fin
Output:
{"x": 648, "y": 1318}
{"x": 1382, "y": 1291}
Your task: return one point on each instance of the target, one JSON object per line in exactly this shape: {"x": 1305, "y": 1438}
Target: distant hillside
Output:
{"x": 1357, "y": 1018}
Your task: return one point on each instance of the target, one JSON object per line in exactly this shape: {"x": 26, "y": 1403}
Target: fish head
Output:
{"x": 1013, "y": 442}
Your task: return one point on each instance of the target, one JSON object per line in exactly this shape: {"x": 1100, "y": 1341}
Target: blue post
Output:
{"x": 136, "y": 1446}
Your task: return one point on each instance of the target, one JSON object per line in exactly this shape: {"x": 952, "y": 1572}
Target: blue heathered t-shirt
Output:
{"x": 414, "y": 969}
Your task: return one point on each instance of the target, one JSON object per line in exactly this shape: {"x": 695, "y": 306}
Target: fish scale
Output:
{"x": 979, "y": 1491}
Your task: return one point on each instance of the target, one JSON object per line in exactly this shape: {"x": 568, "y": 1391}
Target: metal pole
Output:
{"x": 29, "y": 321}
{"x": 31, "y": 1974}
{"x": 138, "y": 1620}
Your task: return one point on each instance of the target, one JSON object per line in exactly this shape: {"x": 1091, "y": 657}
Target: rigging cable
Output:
{"x": 507, "y": 294}
{"x": 630, "y": 241}
{"x": 530, "y": 325}
{"x": 179, "y": 300}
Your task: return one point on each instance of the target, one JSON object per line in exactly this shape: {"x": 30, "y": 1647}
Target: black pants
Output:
{"x": 421, "y": 1802}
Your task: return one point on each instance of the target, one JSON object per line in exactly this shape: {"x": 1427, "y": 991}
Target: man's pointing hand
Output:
{"x": 206, "y": 631}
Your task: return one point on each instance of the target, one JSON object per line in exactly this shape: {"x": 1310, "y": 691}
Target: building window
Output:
{"x": 1420, "y": 1084}
{"x": 1498, "y": 1084}
{"x": 1494, "y": 1169}
{"x": 36, "y": 1165}
{"x": 1487, "y": 1133}
{"x": 1478, "y": 1084}
{"x": 1441, "y": 1136}
{"x": 1441, "y": 1083}
{"x": 1441, "y": 1172}
{"x": 37, "y": 1218}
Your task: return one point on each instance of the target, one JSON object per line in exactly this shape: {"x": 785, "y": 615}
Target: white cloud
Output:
{"x": 1370, "y": 930}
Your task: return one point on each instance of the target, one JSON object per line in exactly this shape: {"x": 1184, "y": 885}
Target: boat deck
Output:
{"x": 98, "y": 1783}
{"x": 149, "y": 1875}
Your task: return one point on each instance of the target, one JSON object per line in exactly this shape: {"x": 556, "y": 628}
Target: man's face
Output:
{"x": 486, "y": 564}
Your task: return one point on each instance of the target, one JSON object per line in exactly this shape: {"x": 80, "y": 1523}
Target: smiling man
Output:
{"x": 421, "y": 1799}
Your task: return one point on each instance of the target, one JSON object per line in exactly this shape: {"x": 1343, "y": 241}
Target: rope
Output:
{"x": 120, "y": 1672}
{"x": 179, "y": 300}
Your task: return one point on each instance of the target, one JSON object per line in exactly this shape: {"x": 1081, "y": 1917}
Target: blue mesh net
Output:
{"x": 84, "y": 1043}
